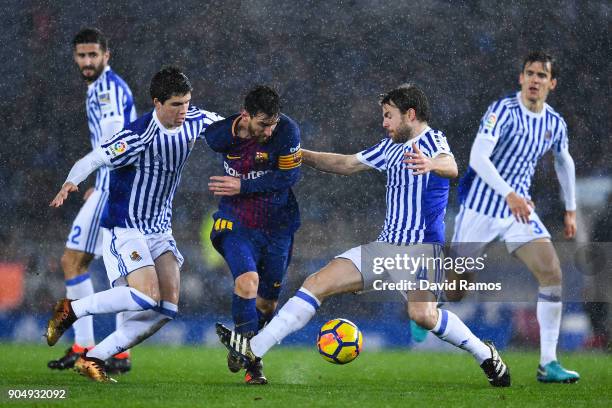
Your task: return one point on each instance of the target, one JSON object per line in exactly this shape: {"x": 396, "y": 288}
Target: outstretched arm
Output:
{"x": 566, "y": 173}
{"x": 333, "y": 163}
{"x": 79, "y": 172}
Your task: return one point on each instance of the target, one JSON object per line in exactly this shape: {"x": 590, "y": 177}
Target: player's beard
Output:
{"x": 261, "y": 137}
{"x": 97, "y": 71}
{"x": 403, "y": 134}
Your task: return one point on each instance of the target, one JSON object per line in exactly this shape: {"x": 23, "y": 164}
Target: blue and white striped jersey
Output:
{"x": 521, "y": 138}
{"x": 146, "y": 161}
{"x": 416, "y": 205}
{"x": 108, "y": 98}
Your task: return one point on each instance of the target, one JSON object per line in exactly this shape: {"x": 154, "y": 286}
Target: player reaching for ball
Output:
{"x": 418, "y": 163}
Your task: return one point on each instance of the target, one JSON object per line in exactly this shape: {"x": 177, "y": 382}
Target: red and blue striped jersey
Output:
{"x": 267, "y": 171}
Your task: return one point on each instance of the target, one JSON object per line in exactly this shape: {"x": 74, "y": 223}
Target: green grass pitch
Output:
{"x": 166, "y": 376}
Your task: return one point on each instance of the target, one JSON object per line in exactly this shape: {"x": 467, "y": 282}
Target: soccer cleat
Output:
{"x": 234, "y": 364}
{"x": 237, "y": 344}
{"x": 118, "y": 365}
{"x": 553, "y": 372}
{"x": 254, "y": 374}
{"x": 62, "y": 319}
{"x": 418, "y": 333}
{"x": 67, "y": 360}
{"x": 495, "y": 369}
{"x": 93, "y": 368}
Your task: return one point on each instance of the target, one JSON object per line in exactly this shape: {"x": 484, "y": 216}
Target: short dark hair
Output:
{"x": 168, "y": 82}
{"x": 262, "y": 99}
{"x": 543, "y": 57}
{"x": 90, "y": 35}
{"x": 407, "y": 96}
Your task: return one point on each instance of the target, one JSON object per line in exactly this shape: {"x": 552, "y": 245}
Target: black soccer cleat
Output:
{"x": 495, "y": 369}
{"x": 237, "y": 344}
{"x": 116, "y": 365}
{"x": 234, "y": 364}
{"x": 254, "y": 374}
{"x": 66, "y": 361}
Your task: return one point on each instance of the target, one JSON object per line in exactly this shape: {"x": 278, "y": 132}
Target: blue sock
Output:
{"x": 244, "y": 312}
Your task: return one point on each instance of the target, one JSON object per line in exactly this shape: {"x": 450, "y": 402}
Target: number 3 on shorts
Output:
{"x": 536, "y": 227}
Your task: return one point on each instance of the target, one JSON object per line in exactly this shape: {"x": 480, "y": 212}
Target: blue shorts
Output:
{"x": 249, "y": 250}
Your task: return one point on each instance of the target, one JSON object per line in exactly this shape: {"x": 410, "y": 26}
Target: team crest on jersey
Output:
{"x": 261, "y": 157}
{"x": 135, "y": 256}
{"x": 117, "y": 148}
{"x": 490, "y": 121}
{"x": 104, "y": 98}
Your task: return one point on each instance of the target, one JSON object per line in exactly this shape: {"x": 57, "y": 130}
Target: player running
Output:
{"x": 418, "y": 163}
{"x": 141, "y": 258}
{"x": 110, "y": 107}
{"x": 495, "y": 202}
{"x": 258, "y": 213}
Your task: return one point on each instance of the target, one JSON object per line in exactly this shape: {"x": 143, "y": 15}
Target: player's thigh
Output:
{"x": 145, "y": 280}
{"x": 168, "y": 261}
{"x": 239, "y": 252}
{"x": 340, "y": 275}
{"x": 75, "y": 263}
{"x": 168, "y": 275}
{"x": 541, "y": 258}
{"x": 273, "y": 265}
{"x": 85, "y": 235}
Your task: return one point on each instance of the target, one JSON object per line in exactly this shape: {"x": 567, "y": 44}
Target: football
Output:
{"x": 339, "y": 341}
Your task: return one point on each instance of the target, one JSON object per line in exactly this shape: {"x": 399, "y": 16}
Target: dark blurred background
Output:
{"x": 329, "y": 61}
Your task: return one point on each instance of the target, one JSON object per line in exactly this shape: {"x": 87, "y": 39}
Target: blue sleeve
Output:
{"x": 218, "y": 136}
{"x": 287, "y": 171}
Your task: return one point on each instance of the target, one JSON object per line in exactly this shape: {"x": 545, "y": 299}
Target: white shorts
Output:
{"x": 363, "y": 258}
{"x": 85, "y": 234}
{"x": 127, "y": 249}
{"x": 479, "y": 229}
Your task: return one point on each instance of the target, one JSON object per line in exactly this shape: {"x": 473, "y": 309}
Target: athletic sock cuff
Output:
{"x": 308, "y": 297}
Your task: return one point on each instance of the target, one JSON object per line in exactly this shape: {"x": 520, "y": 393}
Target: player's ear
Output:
{"x": 244, "y": 114}
{"x": 157, "y": 103}
{"x": 553, "y": 83}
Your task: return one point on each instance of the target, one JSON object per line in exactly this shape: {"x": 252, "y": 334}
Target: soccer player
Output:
{"x": 140, "y": 254}
{"x": 418, "y": 163}
{"x": 110, "y": 107}
{"x": 258, "y": 213}
{"x": 495, "y": 202}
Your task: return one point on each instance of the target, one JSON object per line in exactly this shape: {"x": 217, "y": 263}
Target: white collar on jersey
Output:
{"x": 94, "y": 83}
{"x": 163, "y": 128}
{"x": 527, "y": 111}
{"x": 415, "y": 139}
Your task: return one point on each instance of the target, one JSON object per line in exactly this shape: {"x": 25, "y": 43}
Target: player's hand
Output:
{"x": 570, "y": 224}
{"x": 67, "y": 188}
{"x": 417, "y": 161}
{"x": 88, "y": 193}
{"x": 224, "y": 185}
{"x": 520, "y": 207}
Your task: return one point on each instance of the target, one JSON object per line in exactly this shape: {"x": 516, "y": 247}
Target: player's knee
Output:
{"x": 319, "y": 285}
{"x": 425, "y": 317}
{"x": 550, "y": 274}
{"x": 72, "y": 265}
{"x": 266, "y": 306}
{"x": 246, "y": 285}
